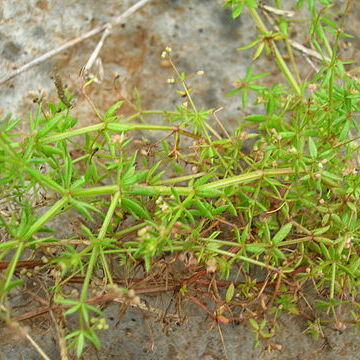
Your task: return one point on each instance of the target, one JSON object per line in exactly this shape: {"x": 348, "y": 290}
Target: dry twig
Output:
{"x": 297, "y": 46}
{"x": 118, "y": 20}
{"x": 275, "y": 11}
{"x": 37, "y": 347}
{"x": 86, "y": 69}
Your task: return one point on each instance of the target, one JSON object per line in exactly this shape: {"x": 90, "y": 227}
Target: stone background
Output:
{"x": 203, "y": 37}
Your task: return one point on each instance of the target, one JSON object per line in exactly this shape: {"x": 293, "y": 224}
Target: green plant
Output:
{"x": 288, "y": 204}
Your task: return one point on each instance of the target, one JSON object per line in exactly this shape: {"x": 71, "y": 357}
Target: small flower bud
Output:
{"x": 312, "y": 87}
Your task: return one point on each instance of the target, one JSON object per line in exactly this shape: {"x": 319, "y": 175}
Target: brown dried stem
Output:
{"x": 118, "y": 20}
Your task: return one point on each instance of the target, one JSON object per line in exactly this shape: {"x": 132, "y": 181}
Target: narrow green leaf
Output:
{"x": 151, "y": 172}
{"x": 256, "y": 118}
{"x": 237, "y": 10}
{"x": 321, "y": 230}
{"x": 331, "y": 175}
{"x": 278, "y": 253}
{"x": 230, "y": 292}
{"x": 190, "y": 216}
{"x": 8, "y": 123}
{"x": 8, "y": 244}
{"x": 72, "y": 334}
{"x": 13, "y": 284}
{"x": 345, "y": 131}
{"x": 72, "y": 310}
{"x": 249, "y": 45}
{"x": 156, "y": 177}
{"x": 94, "y": 309}
{"x": 80, "y": 344}
{"x": 325, "y": 251}
{"x": 135, "y": 178}
{"x": 67, "y": 301}
{"x": 254, "y": 248}
{"x": 91, "y": 173}
{"x": 91, "y": 335}
{"x": 136, "y": 208}
{"x": 231, "y": 208}
{"x": 258, "y": 50}
{"x": 204, "y": 211}
{"x": 49, "y": 125}
{"x": 220, "y": 209}
{"x": 254, "y": 324}
{"x": 175, "y": 195}
{"x": 49, "y": 150}
{"x": 282, "y": 233}
{"x": 113, "y": 109}
{"x": 346, "y": 269}
{"x": 233, "y": 92}
{"x": 252, "y": 4}
{"x": 78, "y": 183}
{"x": 84, "y": 208}
{"x": 312, "y": 148}
{"x": 351, "y": 206}
{"x": 258, "y": 76}
{"x": 44, "y": 179}
{"x": 68, "y": 170}
{"x": 355, "y": 265}
{"x": 203, "y": 180}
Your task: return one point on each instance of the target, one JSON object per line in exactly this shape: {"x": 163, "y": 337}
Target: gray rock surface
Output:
{"x": 203, "y": 37}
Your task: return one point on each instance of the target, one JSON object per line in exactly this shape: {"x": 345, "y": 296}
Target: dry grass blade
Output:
{"x": 37, "y": 347}
{"x": 118, "y": 20}
{"x": 85, "y": 71}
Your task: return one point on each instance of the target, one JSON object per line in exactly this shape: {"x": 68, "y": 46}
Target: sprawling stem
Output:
{"x": 186, "y": 190}
{"x": 279, "y": 59}
{"x": 52, "y": 212}
{"x": 96, "y": 246}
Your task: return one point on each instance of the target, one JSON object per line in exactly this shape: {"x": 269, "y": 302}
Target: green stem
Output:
{"x": 71, "y": 133}
{"x": 184, "y": 190}
{"x": 129, "y": 230}
{"x": 10, "y": 271}
{"x": 283, "y": 25}
{"x": 306, "y": 239}
{"x": 246, "y": 259}
{"x": 279, "y": 59}
{"x": 115, "y": 127}
{"x": 134, "y": 250}
{"x": 96, "y": 246}
{"x": 51, "y": 213}
{"x": 267, "y": 245}
{"x": 180, "y": 179}
{"x": 177, "y": 216}
{"x": 54, "y": 210}
{"x": 332, "y": 284}
{"x": 255, "y": 175}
